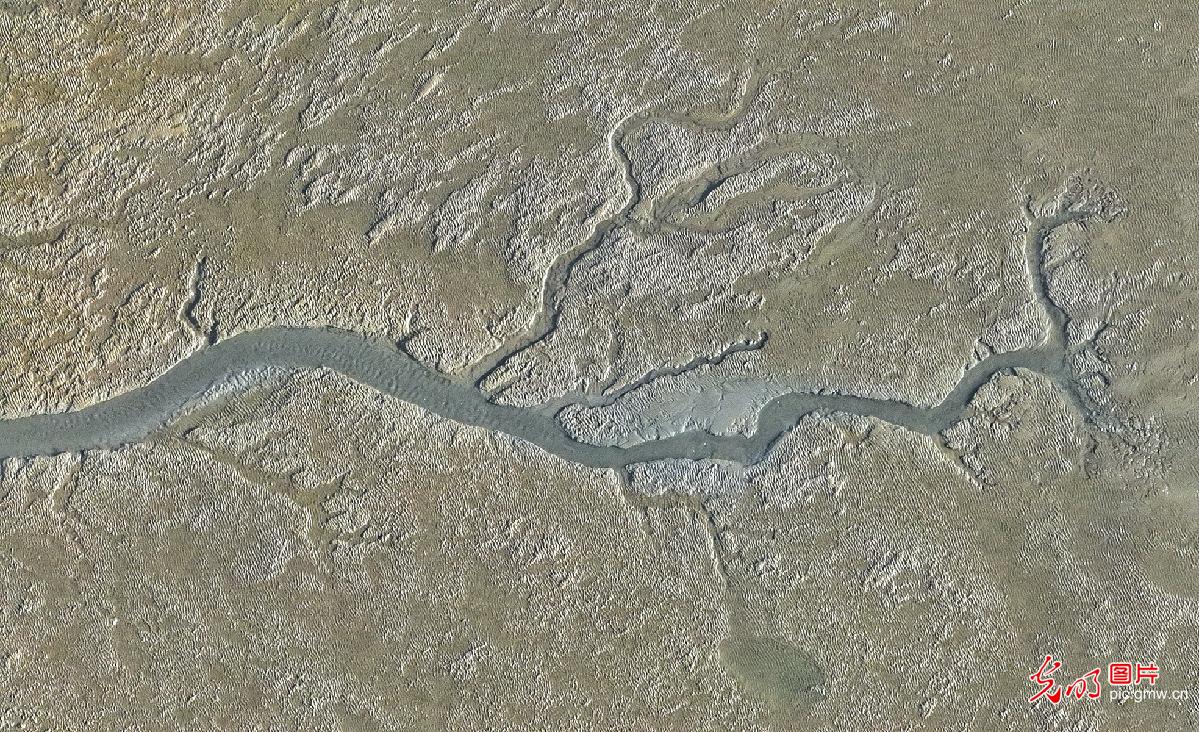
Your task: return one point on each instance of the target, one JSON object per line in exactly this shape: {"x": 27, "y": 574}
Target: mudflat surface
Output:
{"x": 735, "y": 367}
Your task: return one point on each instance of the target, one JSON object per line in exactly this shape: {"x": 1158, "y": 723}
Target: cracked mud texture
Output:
{"x": 745, "y": 366}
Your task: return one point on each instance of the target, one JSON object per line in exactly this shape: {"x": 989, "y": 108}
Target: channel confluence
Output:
{"x": 134, "y": 415}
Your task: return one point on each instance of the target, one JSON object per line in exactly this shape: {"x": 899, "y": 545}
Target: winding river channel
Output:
{"x": 134, "y": 415}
